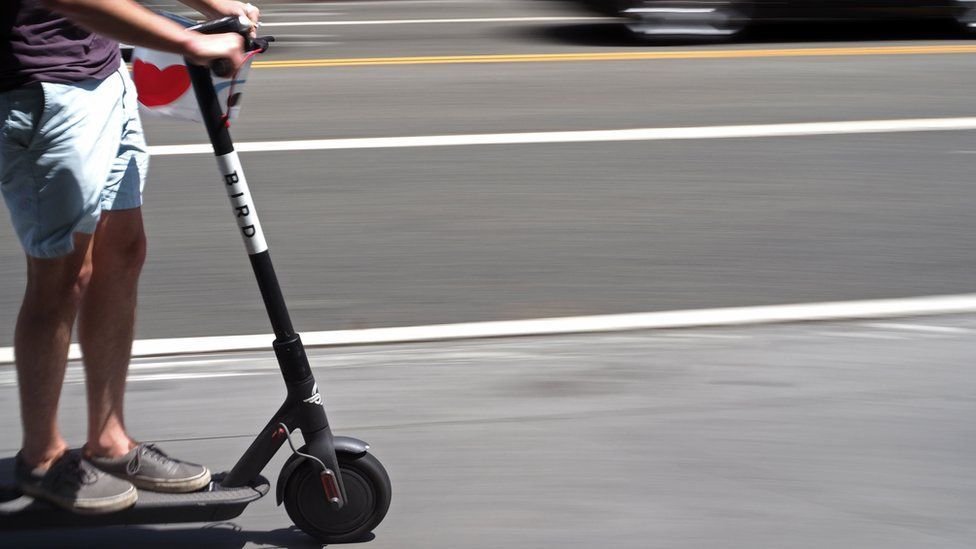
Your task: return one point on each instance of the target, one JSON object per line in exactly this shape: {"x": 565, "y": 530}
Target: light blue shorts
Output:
{"x": 67, "y": 152}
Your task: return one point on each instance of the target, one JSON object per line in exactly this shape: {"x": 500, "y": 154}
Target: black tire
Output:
{"x": 964, "y": 13}
{"x": 368, "y": 493}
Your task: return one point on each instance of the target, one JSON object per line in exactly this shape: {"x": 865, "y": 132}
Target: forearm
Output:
{"x": 125, "y": 21}
{"x": 215, "y": 9}
{"x": 210, "y": 8}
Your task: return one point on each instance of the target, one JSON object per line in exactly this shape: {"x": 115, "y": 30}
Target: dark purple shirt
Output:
{"x": 37, "y": 45}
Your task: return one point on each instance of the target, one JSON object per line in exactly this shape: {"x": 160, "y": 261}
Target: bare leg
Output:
{"x": 41, "y": 339}
{"x": 106, "y": 326}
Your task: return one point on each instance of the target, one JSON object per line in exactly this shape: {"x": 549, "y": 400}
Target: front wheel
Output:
{"x": 368, "y": 493}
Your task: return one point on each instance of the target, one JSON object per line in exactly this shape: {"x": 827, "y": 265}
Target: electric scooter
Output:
{"x": 332, "y": 487}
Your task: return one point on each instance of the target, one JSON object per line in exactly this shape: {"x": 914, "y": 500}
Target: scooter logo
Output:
{"x": 316, "y": 398}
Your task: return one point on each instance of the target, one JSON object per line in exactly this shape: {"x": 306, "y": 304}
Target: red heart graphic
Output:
{"x": 159, "y": 87}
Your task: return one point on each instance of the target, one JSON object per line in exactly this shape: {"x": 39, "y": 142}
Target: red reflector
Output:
{"x": 331, "y": 486}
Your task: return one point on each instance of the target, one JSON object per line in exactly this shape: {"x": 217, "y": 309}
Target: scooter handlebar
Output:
{"x": 240, "y": 25}
{"x": 231, "y": 23}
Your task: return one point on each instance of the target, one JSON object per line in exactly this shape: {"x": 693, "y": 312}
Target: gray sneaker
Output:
{"x": 149, "y": 468}
{"x": 73, "y": 484}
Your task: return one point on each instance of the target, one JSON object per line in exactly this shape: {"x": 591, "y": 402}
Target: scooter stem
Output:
{"x": 303, "y": 408}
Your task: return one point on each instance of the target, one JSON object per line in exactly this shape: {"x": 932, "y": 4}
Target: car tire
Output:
{"x": 964, "y": 13}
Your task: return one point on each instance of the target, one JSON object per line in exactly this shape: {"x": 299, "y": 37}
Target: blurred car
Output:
{"x": 725, "y": 18}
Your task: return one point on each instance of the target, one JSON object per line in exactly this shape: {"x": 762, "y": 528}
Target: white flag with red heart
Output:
{"x": 163, "y": 83}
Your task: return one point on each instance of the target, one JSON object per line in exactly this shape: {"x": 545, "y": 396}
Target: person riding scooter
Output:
{"x": 73, "y": 164}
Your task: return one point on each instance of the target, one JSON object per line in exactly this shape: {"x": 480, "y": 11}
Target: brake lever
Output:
{"x": 223, "y": 67}
{"x": 261, "y": 43}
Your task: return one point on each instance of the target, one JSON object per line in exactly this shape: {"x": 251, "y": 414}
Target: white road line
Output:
{"x": 192, "y": 375}
{"x": 918, "y": 328}
{"x": 638, "y": 134}
{"x": 697, "y": 318}
{"x": 77, "y": 378}
{"x": 432, "y": 21}
{"x": 140, "y": 365}
{"x": 694, "y": 335}
{"x": 862, "y": 335}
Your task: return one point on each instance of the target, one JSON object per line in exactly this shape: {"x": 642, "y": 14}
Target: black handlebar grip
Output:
{"x": 240, "y": 25}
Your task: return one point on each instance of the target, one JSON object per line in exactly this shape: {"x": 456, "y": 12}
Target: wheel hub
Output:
{"x": 317, "y": 509}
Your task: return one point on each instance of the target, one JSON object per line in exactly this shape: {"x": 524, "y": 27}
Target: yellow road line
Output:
{"x": 624, "y": 56}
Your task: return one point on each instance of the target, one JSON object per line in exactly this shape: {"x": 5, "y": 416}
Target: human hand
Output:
{"x": 205, "y": 49}
{"x": 223, "y": 8}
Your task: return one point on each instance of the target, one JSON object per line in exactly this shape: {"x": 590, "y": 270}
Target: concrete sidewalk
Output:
{"x": 854, "y": 434}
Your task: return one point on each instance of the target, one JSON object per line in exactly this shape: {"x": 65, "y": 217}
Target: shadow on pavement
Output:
{"x": 614, "y": 33}
{"x": 219, "y": 536}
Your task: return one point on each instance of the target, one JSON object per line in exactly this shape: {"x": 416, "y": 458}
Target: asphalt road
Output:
{"x": 856, "y": 434}
{"x": 385, "y": 237}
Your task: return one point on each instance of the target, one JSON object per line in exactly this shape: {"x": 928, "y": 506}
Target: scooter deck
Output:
{"x": 20, "y": 512}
